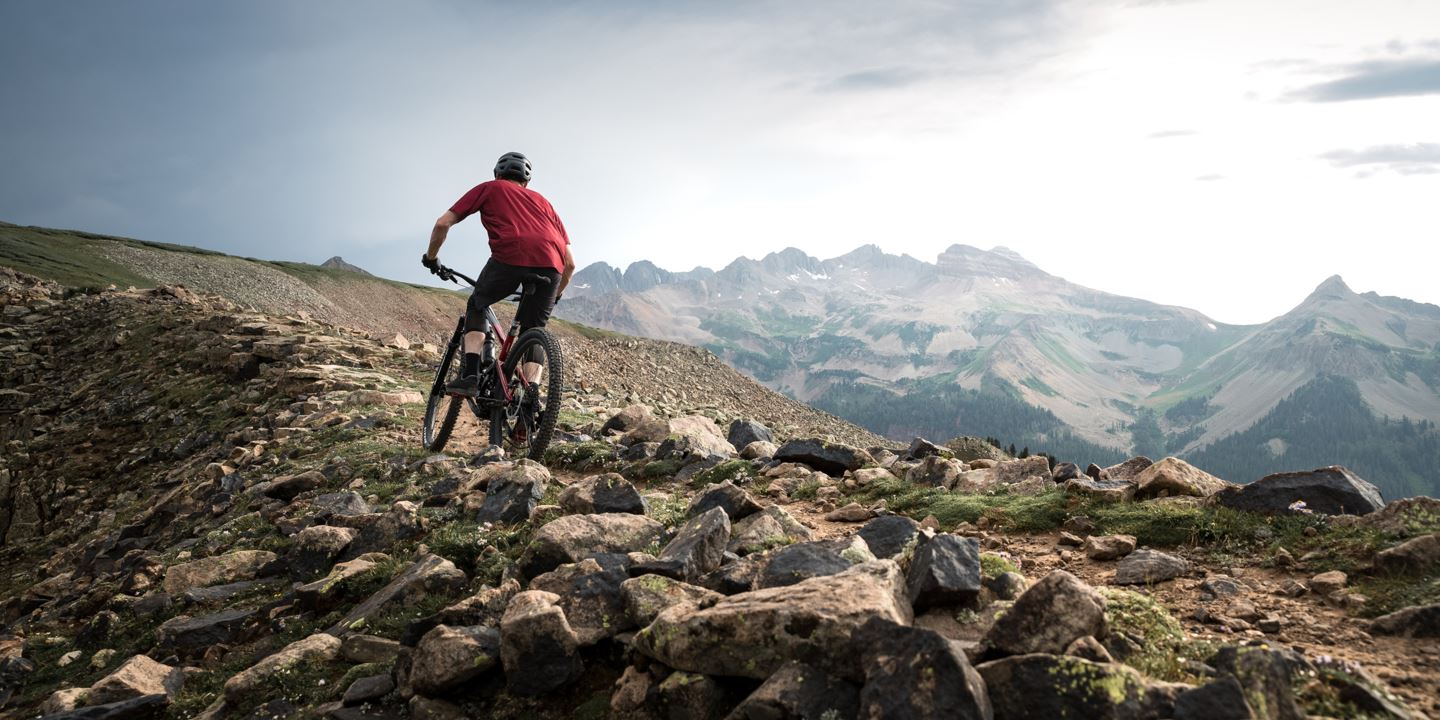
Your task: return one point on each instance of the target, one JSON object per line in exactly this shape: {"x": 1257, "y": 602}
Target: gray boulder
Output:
{"x": 646, "y": 596}
{"x": 590, "y": 595}
{"x": 1046, "y": 618}
{"x": 698, "y": 547}
{"x": 1421, "y": 621}
{"x": 802, "y": 561}
{"x": 539, "y": 650}
{"x": 185, "y": 635}
{"x": 1267, "y": 676}
{"x": 512, "y": 496}
{"x": 1330, "y": 490}
{"x": 888, "y": 536}
{"x": 1146, "y": 566}
{"x": 770, "y": 528}
{"x": 945, "y": 571}
{"x": 448, "y": 657}
{"x": 744, "y": 432}
{"x": 575, "y": 537}
{"x": 800, "y": 692}
{"x": 830, "y": 458}
{"x": 916, "y": 673}
{"x": 314, "y": 550}
{"x": 608, "y": 493}
{"x": 736, "y": 503}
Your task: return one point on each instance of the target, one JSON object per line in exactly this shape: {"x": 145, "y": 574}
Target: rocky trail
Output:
{"x": 210, "y": 512}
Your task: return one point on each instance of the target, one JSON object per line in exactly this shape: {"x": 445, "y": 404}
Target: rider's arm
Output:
{"x": 442, "y": 228}
{"x": 566, "y": 273}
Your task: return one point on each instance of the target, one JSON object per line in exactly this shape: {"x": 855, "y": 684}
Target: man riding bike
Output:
{"x": 526, "y": 237}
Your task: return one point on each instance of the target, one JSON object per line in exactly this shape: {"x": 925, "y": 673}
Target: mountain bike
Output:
{"x": 521, "y": 381}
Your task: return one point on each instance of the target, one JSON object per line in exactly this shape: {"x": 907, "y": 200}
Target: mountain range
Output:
{"x": 985, "y": 342}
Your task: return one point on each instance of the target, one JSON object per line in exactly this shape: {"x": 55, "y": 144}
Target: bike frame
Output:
{"x": 493, "y": 333}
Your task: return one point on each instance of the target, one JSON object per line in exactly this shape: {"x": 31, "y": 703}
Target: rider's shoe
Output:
{"x": 467, "y": 386}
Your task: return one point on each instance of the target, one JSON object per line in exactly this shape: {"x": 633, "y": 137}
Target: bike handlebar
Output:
{"x": 449, "y": 275}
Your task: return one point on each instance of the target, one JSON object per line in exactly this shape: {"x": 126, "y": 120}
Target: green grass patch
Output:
{"x": 581, "y": 456}
{"x": 731, "y": 470}
{"x": 993, "y": 566}
{"x": 656, "y": 469}
{"x": 1023, "y": 513}
{"x": 807, "y": 490}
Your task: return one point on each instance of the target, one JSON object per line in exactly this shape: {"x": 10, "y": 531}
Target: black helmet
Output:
{"x": 513, "y": 166}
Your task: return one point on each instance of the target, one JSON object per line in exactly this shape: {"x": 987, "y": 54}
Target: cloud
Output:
{"x": 1377, "y": 79}
{"x": 876, "y": 79}
{"x": 1162, "y": 134}
{"x": 1416, "y": 159}
{"x": 1212, "y": 177}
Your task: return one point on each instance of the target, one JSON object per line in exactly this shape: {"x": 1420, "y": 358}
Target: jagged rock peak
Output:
{"x": 338, "y": 263}
{"x": 1334, "y": 286}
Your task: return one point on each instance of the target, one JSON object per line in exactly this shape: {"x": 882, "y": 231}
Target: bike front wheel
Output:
{"x": 535, "y": 373}
{"x": 442, "y": 409}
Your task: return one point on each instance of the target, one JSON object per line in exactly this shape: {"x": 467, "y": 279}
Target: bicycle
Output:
{"x": 520, "y": 384}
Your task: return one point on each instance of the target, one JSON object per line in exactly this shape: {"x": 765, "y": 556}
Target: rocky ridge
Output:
{"x": 226, "y": 514}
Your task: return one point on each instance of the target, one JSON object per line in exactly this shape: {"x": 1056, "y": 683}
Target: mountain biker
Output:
{"x": 526, "y": 237}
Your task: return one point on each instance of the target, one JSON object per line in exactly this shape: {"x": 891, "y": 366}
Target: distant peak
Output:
{"x": 1334, "y": 286}
{"x": 338, "y": 263}
{"x": 1000, "y": 262}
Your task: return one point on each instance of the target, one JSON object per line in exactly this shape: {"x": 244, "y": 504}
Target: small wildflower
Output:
{"x": 1299, "y": 506}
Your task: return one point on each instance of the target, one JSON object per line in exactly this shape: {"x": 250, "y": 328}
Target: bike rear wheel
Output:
{"x": 535, "y": 373}
{"x": 441, "y": 410}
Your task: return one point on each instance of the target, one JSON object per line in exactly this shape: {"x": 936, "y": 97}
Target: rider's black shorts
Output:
{"x": 498, "y": 281}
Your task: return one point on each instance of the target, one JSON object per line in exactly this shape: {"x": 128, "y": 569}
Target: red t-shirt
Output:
{"x": 524, "y": 230}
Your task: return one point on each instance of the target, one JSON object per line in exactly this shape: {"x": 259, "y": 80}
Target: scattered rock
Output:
{"x": 759, "y": 450}
{"x": 137, "y": 677}
{"x": 736, "y": 503}
{"x": 1049, "y": 616}
{"x": 185, "y": 635}
{"x": 852, "y": 513}
{"x": 1106, "y": 490}
{"x": 1128, "y": 470}
{"x": 799, "y": 691}
{"x": 447, "y": 658}
{"x": 1109, "y": 547}
{"x": 890, "y": 536}
{"x": 590, "y": 596}
{"x": 369, "y": 649}
{"x": 511, "y": 497}
{"x": 945, "y": 571}
{"x": 1220, "y": 699}
{"x": 830, "y": 458}
{"x": 1421, "y": 621}
{"x": 1065, "y": 471}
{"x": 1173, "y": 476}
{"x": 753, "y": 634}
{"x": 628, "y": 419}
{"x": 575, "y": 537}
{"x": 1414, "y": 554}
{"x": 802, "y": 561}
{"x": 1267, "y": 676}
{"x": 698, "y": 547}
{"x": 287, "y": 487}
{"x": 1328, "y": 582}
{"x": 609, "y": 493}
{"x": 1330, "y": 490}
{"x": 227, "y": 568}
{"x": 936, "y": 471}
{"x": 916, "y": 673}
{"x": 429, "y": 575}
{"x": 368, "y": 689}
{"x": 539, "y": 650}
{"x": 315, "y": 549}
{"x": 744, "y": 432}
{"x": 1144, "y": 567}
{"x": 770, "y": 528}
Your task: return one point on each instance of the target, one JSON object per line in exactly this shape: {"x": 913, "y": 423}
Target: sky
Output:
{"x": 1222, "y": 155}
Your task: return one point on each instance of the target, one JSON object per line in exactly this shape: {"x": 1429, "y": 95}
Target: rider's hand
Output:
{"x": 557, "y": 299}
{"x": 432, "y": 264}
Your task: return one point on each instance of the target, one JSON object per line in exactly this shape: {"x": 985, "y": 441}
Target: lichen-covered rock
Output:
{"x": 1413, "y": 554}
{"x": 628, "y": 419}
{"x": 1004, "y": 473}
{"x": 185, "y": 635}
{"x": 325, "y": 592}
{"x": 753, "y": 634}
{"x": 1058, "y": 686}
{"x": 936, "y": 471}
{"x": 428, "y": 575}
{"x": 1128, "y": 470}
{"x": 1048, "y": 617}
{"x": 314, "y": 550}
{"x": 485, "y": 607}
{"x": 743, "y": 432}
{"x": 1109, "y": 547}
{"x": 1106, "y": 490}
{"x": 575, "y": 537}
{"x": 539, "y": 650}
{"x": 1420, "y": 621}
{"x": 1267, "y": 676}
{"x": 645, "y": 596}
{"x": 448, "y": 657}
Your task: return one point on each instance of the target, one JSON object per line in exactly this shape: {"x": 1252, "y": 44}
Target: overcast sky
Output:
{"x": 1224, "y": 155}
